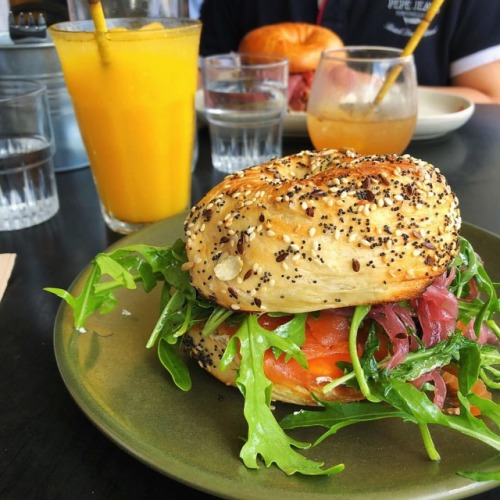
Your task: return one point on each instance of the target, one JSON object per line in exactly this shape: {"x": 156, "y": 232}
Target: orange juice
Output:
{"x": 366, "y": 136}
{"x": 133, "y": 96}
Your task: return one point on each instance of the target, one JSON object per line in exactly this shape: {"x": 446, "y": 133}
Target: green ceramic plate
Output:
{"x": 195, "y": 437}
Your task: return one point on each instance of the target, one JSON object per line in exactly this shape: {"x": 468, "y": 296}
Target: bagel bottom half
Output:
{"x": 208, "y": 351}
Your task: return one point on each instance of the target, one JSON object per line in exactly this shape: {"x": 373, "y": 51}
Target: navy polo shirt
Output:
{"x": 465, "y": 33}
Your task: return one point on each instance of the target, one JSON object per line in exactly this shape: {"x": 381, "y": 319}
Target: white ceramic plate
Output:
{"x": 294, "y": 124}
{"x": 438, "y": 114}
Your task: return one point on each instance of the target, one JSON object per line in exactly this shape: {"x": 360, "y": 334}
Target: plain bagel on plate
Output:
{"x": 302, "y": 43}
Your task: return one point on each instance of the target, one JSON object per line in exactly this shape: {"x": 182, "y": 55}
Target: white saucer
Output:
{"x": 439, "y": 113}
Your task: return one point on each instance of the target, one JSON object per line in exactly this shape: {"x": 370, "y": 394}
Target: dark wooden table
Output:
{"x": 48, "y": 448}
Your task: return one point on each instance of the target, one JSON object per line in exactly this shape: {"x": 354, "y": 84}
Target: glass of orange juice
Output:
{"x": 352, "y": 106}
{"x": 133, "y": 89}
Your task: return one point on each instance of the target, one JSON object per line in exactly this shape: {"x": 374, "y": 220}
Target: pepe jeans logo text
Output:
{"x": 409, "y": 13}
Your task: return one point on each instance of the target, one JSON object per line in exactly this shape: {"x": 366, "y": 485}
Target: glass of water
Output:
{"x": 28, "y": 192}
{"x": 245, "y": 103}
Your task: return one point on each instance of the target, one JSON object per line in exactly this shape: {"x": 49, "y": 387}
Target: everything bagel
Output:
{"x": 322, "y": 230}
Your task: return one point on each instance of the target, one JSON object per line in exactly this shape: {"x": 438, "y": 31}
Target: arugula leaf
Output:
{"x": 266, "y": 439}
{"x": 148, "y": 265}
{"x": 359, "y": 313}
{"x": 481, "y": 476}
{"x": 425, "y": 360}
{"x": 124, "y": 268}
{"x": 488, "y": 408}
{"x": 468, "y": 266}
{"x": 336, "y": 416}
{"x": 410, "y": 399}
{"x": 470, "y": 366}
{"x": 490, "y": 375}
{"x": 295, "y": 331}
{"x": 88, "y": 302}
{"x": 173, "y": 364}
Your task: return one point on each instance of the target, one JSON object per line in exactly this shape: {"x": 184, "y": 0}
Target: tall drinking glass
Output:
{"x": 28, "y": 190}
{"x": 245, "y": 103}
{"x": 79, "y": 9}
{"x": 133, "y": 90}
{"x": 350, "y": 105}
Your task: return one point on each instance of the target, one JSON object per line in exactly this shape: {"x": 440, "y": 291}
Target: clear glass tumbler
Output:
{"x": 79, "y": 9}
{"x": 28, "y": 191}
{"x": 363, "y": 98}
{"x": 245, "y": 103}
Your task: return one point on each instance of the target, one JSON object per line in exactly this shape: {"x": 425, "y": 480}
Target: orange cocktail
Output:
{"x": 370, "y": 136}
{"x": 133, "y": 92}
{"x": 350, "y": 105}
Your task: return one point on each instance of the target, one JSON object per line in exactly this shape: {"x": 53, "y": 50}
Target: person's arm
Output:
{"x": 474, "y": 49}
{"x": 481, "y": 84}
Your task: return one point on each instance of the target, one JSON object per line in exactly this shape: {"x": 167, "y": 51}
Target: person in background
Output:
{"x": 460, "y": 50}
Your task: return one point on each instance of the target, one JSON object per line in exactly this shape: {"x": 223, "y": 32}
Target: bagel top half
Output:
{"x": 320, "y": 230}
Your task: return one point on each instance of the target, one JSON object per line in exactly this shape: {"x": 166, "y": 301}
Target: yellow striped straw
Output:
{"x": 410, "y": 47}
{"x": 97, "y": 15}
